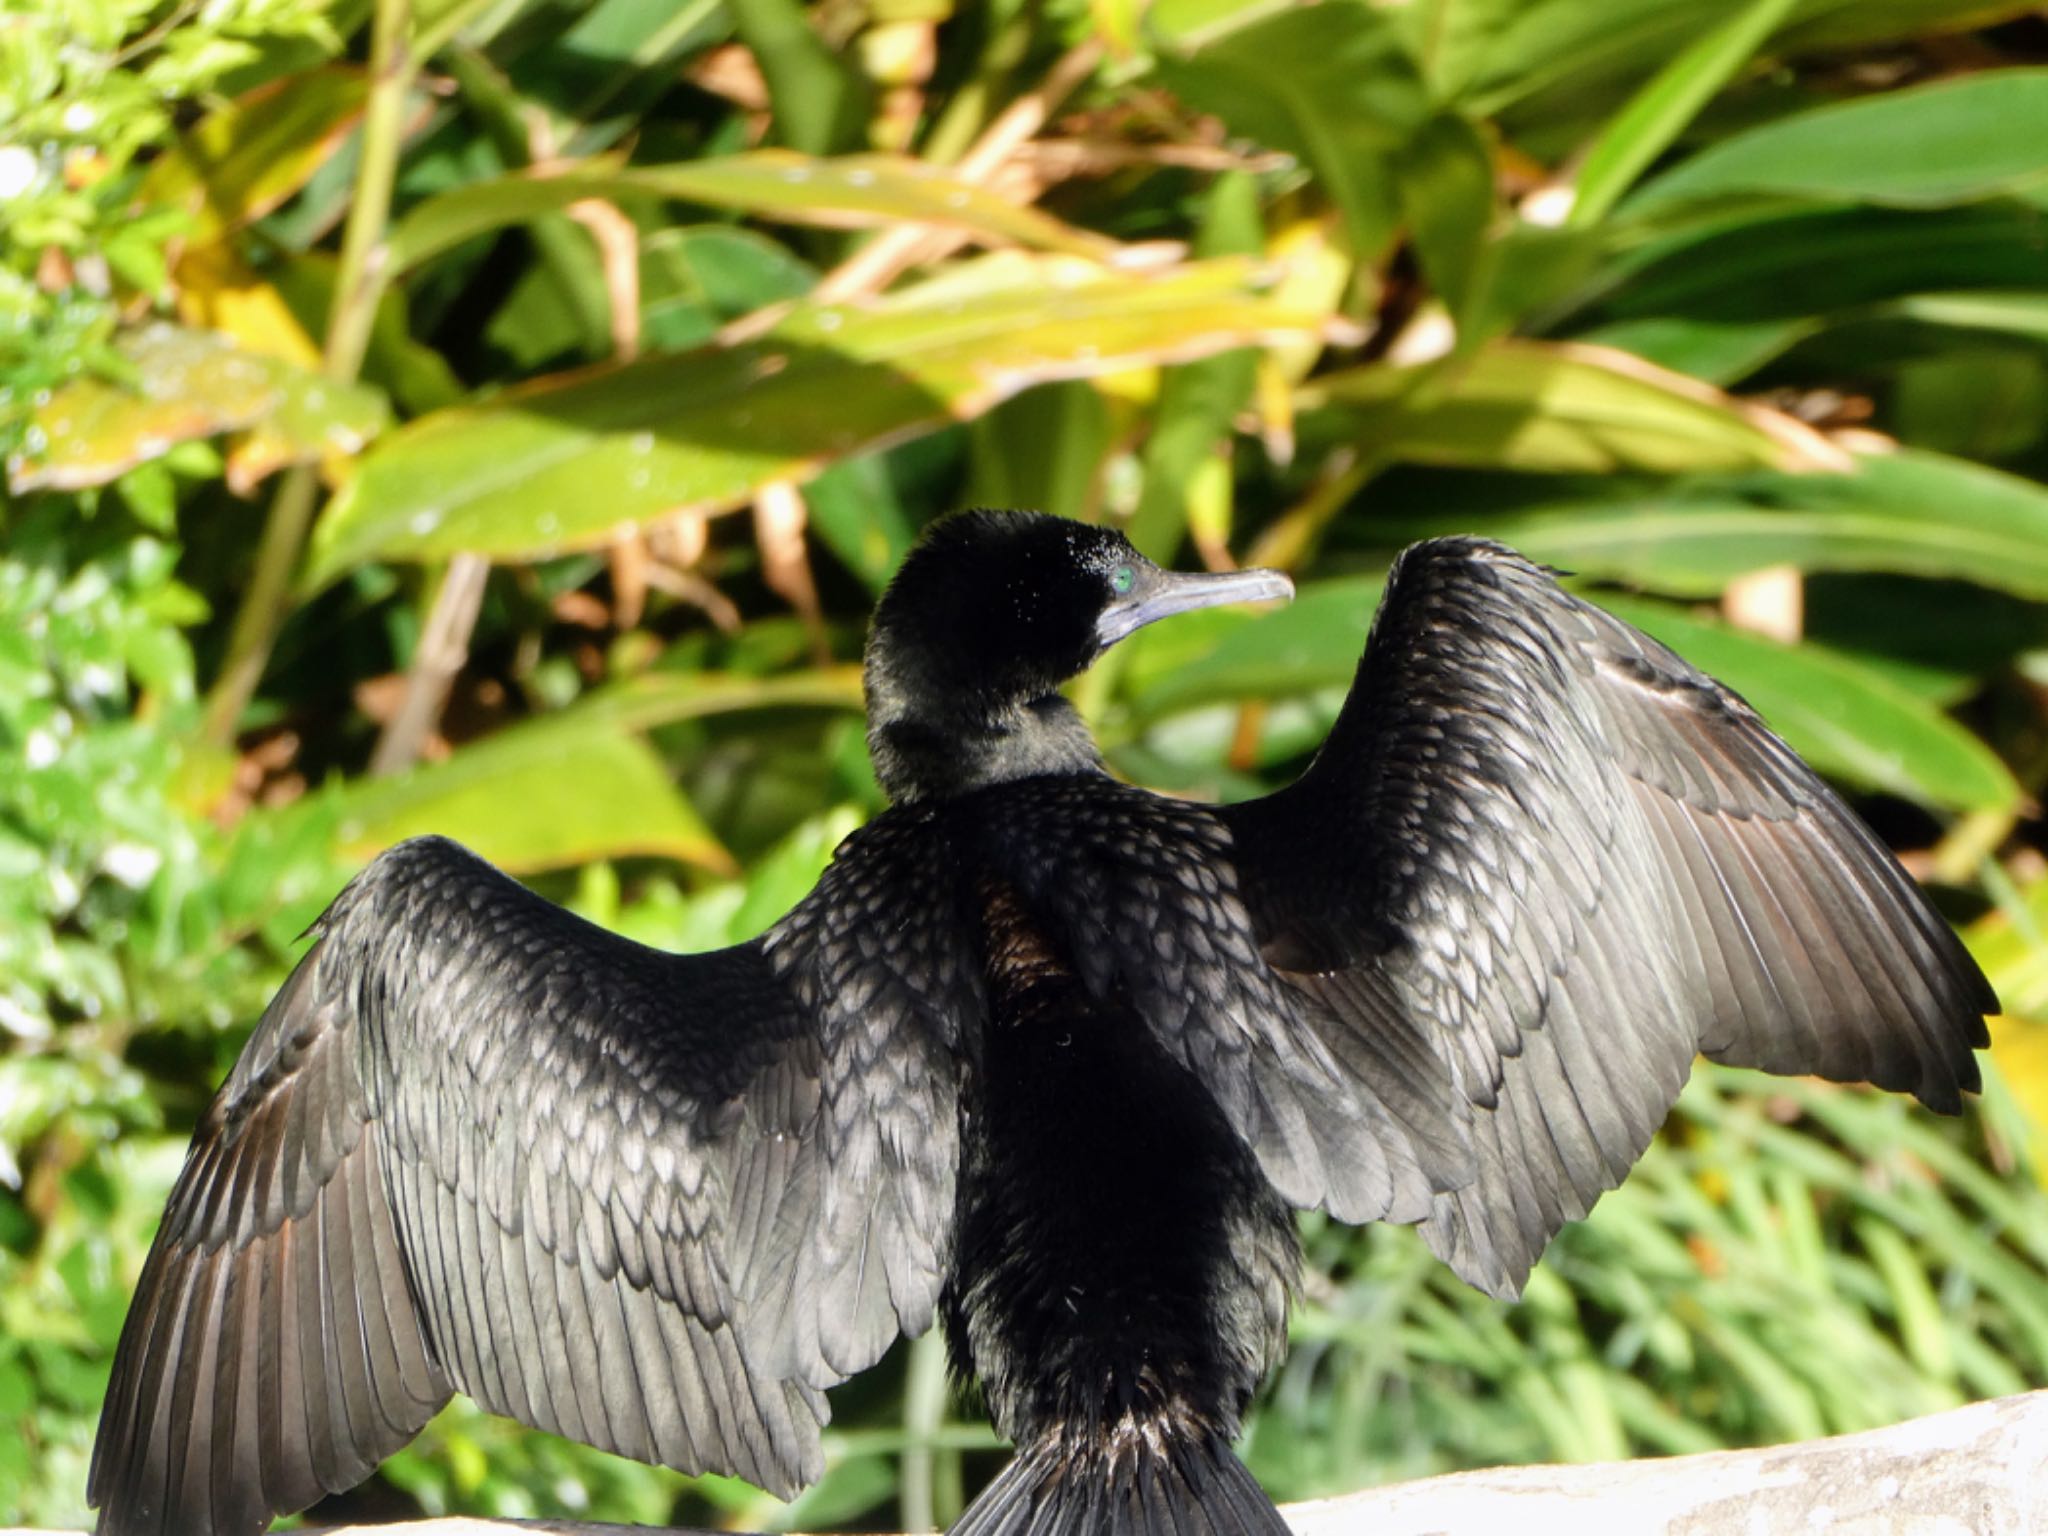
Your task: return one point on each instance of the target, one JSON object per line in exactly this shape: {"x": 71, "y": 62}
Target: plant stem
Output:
{"x": 443, "y": 648}
{"x": 350, "y": 315}
{"x": 924, "y": 1410}
{"x": 263, "y": 605}
{"x": 436, "y": 35}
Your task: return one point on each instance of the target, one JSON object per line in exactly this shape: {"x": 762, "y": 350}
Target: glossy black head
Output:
{"x": 989, "y": 615}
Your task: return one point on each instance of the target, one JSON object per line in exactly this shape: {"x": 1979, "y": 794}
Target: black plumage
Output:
{"x": 1043, "y": 1055}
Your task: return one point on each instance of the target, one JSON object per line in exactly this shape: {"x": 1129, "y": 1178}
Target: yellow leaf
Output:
{"x": 218, "y": 291}
{"x": 247, "y": 157}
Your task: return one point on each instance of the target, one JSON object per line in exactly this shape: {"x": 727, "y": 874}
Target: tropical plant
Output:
{"x": 378, "y": 380}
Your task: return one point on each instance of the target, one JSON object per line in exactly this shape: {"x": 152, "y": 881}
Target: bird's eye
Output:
{"x": 1122, "y": 579}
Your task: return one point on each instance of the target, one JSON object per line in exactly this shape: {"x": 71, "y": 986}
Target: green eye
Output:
{"x": 1122, "y": 579}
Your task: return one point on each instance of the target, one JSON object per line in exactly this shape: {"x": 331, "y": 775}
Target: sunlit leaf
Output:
{"x": 1660, "y": 111}
{"x": 2014, "y": 314}
{"x": 190, "y": 384}
{"x": 1915, "y": 513}
{"x": 546, "y": 794}
{"x": 219, "y": 291}
{"x": 642, "y": 702}
{"x": 243, "y": 159}
{"x": 1560, "y": 408}
{"x": 844, "y": 192}
{"x": 565, "y": 463}
{"x": 1949, "y": 141}
{"x": 2011, "y": 943}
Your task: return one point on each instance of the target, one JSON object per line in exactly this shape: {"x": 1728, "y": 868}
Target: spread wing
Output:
{"x": 651, "y": 1202}
{"x": 1571, "y": 860}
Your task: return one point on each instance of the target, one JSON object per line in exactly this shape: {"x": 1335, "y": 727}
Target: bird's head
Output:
{"x": 989, "y": 615}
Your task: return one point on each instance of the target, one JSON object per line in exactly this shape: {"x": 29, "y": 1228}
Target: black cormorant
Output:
{"x": 1043, "y": 1056}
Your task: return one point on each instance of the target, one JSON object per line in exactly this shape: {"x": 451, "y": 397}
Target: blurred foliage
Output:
{"x": 308, "y": 308}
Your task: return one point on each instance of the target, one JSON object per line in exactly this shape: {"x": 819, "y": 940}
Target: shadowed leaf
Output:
{"x": 1951, "y": 141}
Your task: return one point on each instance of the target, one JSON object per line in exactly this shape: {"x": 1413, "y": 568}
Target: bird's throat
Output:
{"x": 926, "y": 755}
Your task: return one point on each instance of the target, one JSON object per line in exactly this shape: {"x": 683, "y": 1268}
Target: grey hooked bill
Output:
{"x": 1158, "y": 594}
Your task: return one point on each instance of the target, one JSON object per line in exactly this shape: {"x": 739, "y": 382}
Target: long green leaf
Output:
{"x": 565, "y": 463}
{"x": 845, "y": 192}
{"x": 1559, "y": 409}
{"x": 1660, "y": 111}
{"x": 543, "y": 795}
{"x": 1919, "y": 514}
{"x": 1951, "y": 141}
{"x": 1750, "y": 271}
{"x": 579, "y": 784}
{"x": 2013, "y": 313}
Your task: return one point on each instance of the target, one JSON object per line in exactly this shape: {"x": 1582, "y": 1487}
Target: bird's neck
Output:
{"x": 930, "y": 752}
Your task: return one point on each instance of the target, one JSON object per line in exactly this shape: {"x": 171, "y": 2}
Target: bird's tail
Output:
{"x": 1148, "y": 1482}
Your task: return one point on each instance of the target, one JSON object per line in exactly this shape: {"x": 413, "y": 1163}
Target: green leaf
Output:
{"x": 245, "y": 158}
{"x": 1311, "y": 643}
{"x": 820, "y": 98}
{"x": 859, "y": 512}
{"x": 563, "y": 464}
{"x": 183, "y": 385}
{"x": 695, "y": 277}
{"x": 1491, "y": 54}
{"x": 1043, "y": 449}
{"x": 1951, "y": 141}
{"x": 1721, "y": 352}
{"x": 1199, "y": 401}
{"x": 1752, "y": 270}
{"x": 1447, "y": 192}
{"x": 1661, "y": 110}
{"x": 1843, "y": 717}
{"x": 664, "y": 697}
{"x": 1913, "y": 513}
{"x": 1982, "y": 400}
{"x": 846, "y": 192}
{"x": 2014, "y": 314}
{"x": 1829, "y": 24}
{"x": 1559, "y": 408}
{"x": 1333, "y": 86}
{"x": 546, "y": 794}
